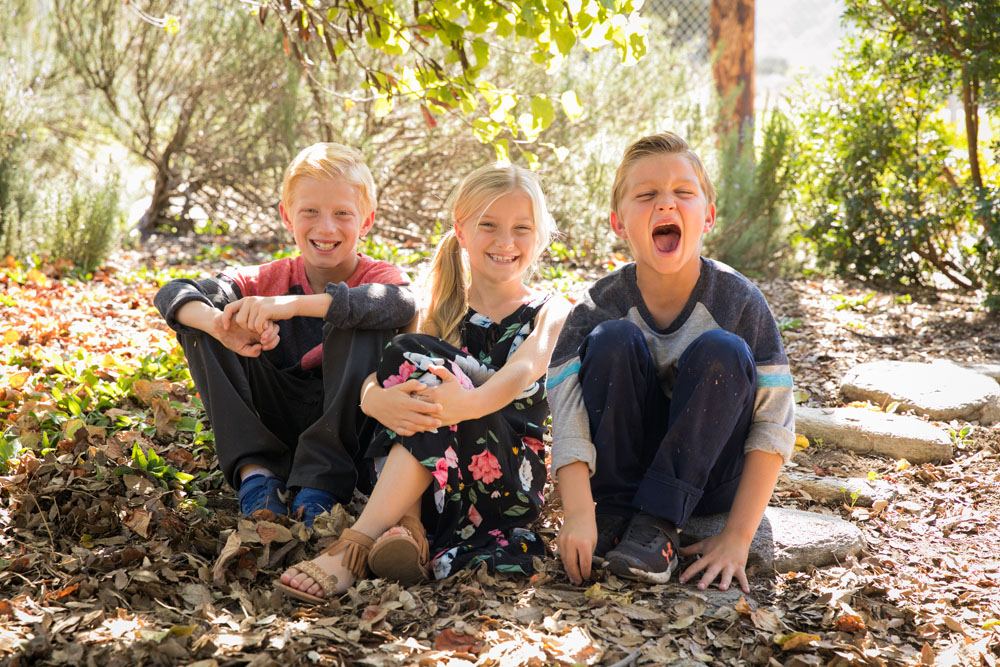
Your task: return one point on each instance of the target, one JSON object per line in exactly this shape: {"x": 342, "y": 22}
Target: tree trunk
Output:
{"x": 731, "y": 44}
{"x": 970, "y": 104}
{"x": 159, "y": 201}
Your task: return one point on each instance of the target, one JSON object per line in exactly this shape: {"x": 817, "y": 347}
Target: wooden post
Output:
{"x": 731, "y": 45}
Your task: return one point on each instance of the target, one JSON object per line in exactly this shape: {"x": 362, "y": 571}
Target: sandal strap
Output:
{"x": 355, "y": 547}
{"x": 415, "y": 527}
{"x": 326, "y": 581}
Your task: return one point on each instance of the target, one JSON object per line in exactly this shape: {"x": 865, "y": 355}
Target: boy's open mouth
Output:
{"x": 324, "y": 247}
{"x": 667, "y": 237}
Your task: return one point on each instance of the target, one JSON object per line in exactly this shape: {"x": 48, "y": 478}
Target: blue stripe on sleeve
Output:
{"x": 778, "y": 380}
{"x": 565, "y": 373}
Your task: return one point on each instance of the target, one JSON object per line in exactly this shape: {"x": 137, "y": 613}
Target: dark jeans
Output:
{"x": 308, "y": 428}
{"x": 669, "y": 457}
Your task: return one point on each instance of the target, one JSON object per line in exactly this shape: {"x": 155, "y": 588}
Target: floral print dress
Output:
{"x": 489, "y": 472}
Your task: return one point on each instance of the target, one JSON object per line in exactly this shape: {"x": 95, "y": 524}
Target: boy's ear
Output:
{"x": 709, "y": 219}
{"x": 367, "y": 225}
{"x": 285, "y": 219}
{"x": 617, "y": 226}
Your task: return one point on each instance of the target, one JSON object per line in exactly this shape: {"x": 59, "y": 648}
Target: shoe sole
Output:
{"x": 623, "y": 569}
{"x": 397, "y": 557}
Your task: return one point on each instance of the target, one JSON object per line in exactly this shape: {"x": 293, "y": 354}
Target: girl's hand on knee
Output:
{"x": 458, "y": 403}
{"x": 723, "y": 557}
{"x": 401, "y": 409}
{"x": 576, "y": 541}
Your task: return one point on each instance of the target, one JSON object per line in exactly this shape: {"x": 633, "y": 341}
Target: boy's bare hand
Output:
{"x": 576, "y": 541}
{"x": 256, "y": 312}
{"x": 245, "y": 342}
{"x": 401, "y": 409}
{"x": 723, "y": 556}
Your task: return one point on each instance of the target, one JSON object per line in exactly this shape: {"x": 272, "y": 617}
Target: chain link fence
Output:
{"x": 687, "y": 23}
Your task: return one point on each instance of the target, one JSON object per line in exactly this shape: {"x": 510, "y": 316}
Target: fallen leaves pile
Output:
{"x": 121, "y": 545}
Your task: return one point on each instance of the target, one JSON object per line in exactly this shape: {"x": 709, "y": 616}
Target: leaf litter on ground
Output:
{"x": 121, "y": 546}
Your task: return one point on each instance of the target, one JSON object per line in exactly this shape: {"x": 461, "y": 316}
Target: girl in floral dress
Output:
{"x": 461, "y": 462}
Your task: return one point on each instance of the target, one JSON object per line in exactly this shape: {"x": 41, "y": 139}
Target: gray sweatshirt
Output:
{"x": 721, "y": 299}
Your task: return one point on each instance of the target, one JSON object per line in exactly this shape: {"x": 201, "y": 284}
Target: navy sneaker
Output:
{"x": 609, "y": 532}
{"x": 309, "y": 503}
{"x": 262, "y": 492}
{"x": 647, "y": 552}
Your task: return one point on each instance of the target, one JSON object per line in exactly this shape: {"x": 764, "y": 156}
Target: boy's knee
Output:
{"x": 718, "y": 347}
{"x": 612, "y": 342}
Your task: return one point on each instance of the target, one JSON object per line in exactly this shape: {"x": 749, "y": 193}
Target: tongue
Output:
{"x": 667, "y": 242}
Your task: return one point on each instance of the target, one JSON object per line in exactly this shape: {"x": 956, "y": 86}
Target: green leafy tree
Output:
{"x": 439, "y": 51}
{"x": 957, "y": 40}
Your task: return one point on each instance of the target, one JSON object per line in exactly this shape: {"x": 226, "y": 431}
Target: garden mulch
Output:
{"x": 103, "y": 562}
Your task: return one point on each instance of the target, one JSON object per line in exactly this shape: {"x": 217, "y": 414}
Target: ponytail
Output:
{"x": 449, "y": 295}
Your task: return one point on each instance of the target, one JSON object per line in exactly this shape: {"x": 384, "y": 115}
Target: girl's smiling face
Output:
{"x": 502, "y": 240}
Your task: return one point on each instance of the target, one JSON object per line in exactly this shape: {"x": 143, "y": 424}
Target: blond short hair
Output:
{"x": 330, "y": 161}
{"x": 656, "y": 144}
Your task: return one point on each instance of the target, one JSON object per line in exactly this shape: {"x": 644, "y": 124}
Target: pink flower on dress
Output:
{"x": 460, "y": 375}
{"x": 474, "y": 516}
{"x": 451, "y": 457}
{"x": 497, "y": 533}
{"x": 405, "y": 370}
{"x": 441, "y": 472}
{"x": 534, "y": 444}
{"x": 485, "y": 467}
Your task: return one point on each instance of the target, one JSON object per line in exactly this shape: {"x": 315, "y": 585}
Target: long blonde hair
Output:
{"x": 477, "y": 191}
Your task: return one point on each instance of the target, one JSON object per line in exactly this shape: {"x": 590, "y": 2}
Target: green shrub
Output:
{"x": 753, "y": 183}
{"x": 82, "y": 223}
{"x": 883, "y": 192}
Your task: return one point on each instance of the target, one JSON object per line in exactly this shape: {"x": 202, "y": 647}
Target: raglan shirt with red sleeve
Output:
{"x": 377, "y": 295}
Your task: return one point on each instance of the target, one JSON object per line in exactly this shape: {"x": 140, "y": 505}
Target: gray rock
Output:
{"x": 832, "y": 489}
{"x": 990, "y": 370}
{"x": 788, "y": 540}
{"x": 869, "y": 432}
{"x": 941, "y": 389}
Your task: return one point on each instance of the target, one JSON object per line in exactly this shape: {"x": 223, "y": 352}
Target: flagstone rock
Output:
{"x": 870, "y": 432}
{"x": 990, "y": 370}
{"x": 854, "y": 491}
{"x": 940, "y": 390}
{"x": 788, "y": 540}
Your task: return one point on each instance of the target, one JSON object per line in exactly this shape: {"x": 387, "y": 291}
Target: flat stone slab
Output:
{"x": 990, "y": 370}
{"x": 870, "y": 432}
{"x": 941, "y": 389}
{"x": 833, "y": 489}
{"x": 788, "y": 540}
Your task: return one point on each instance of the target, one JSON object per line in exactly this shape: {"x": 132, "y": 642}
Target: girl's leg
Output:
{"x": 399, "y": 487}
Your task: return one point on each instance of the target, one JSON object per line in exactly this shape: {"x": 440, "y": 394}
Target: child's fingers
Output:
{"x": 693, "y": 569}
{"x": 410, "y": 386}
{"x": 741, "y": 576}
{"x": 711, "y": 574}
{"x": 442, "y": 372}
{"x": 691, "y": 549}
{"x": 229, "y": 311}
{"x": 568, "y": 557}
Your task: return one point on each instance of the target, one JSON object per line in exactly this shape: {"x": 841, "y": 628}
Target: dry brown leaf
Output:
{"x": 449, "y": 640}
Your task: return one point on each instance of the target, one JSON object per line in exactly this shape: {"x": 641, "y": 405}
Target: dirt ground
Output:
{"x": 100, "y": 567}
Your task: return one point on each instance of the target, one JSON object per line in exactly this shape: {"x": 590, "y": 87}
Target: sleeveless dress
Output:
{"x": 489, "y": 472}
